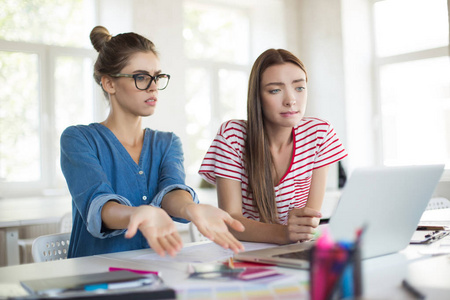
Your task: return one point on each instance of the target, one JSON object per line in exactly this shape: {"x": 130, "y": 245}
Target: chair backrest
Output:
{"x": 196, "y": 236}
{"x": 65, "y": 224}
{"x": 438, "y": 203}
{"x": 50, "y": 247}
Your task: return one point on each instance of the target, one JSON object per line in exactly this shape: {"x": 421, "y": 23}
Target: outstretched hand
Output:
{"x": 157, "y": 227}
{"x": 212, "y": 223}
{"x": 302, "y": 223}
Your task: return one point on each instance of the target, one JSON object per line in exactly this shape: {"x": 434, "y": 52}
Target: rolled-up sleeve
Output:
{"x": 159, "y": 197}
{"x": 94, "y": 217}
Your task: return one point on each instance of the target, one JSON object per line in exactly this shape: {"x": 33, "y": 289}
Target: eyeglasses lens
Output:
{"x": 144, "y": 81}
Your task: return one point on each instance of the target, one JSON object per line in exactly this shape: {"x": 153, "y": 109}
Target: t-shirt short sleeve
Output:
{"x": 225, "y": 156}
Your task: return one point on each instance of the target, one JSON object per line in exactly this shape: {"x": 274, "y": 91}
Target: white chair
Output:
{"x": 438, "y": 203}
{"x": 25, "y": 245}
{"x": 65, "y": 224}
{"x": 196, "y": 236}
{"x": 50, "y": 247}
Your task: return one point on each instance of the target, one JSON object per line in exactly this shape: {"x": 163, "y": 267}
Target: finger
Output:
{"x": 221, "y": 241}
{"x": 305, "y": 212}
{"x": 316, "y": 222}
{"x": 296, "y": 228}
{"x": 303, "y": 221}
{"x": 206, "y": 233}
{"x": 154, "y": 243}
{"x": 131, "y": 229}
{"x": 300, "y": 237}
{"x": 175, "y": 240}
{"x": 234, "y": 244}
{"x": 167, "y": 246}
{"x": 235, "y": 224}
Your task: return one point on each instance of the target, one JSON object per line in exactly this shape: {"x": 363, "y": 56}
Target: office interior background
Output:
{"x": 378, "y": 70}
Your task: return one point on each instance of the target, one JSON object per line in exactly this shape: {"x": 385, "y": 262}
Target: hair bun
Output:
{"x": 99, "y": 37}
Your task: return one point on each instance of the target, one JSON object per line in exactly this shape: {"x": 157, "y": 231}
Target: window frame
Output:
{"x": 213, "y": 67}
{"x": 49, "y": 183}
{"x": 379, "y": 62}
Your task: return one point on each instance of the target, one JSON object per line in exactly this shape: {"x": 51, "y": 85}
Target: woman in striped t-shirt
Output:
{"x": 271, "y": 170}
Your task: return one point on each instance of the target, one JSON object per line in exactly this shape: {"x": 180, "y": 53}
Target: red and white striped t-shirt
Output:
{"x": 315, "y": 145}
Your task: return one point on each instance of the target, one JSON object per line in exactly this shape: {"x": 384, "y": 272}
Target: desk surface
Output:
{"x": 33, "y": 211}
{"x": 382, "y": 276}
{"x": 17, "y": 212}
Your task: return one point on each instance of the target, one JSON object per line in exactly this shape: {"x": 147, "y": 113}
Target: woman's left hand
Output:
{"x": 212, "y": 223}
{"x": 157, "y": 227}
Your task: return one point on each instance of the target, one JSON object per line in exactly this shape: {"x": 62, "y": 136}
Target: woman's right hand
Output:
{"x": 157, "y": 227}
{"x": 302, "y": 223}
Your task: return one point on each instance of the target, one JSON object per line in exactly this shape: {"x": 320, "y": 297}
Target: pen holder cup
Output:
{"x": 335, "y": 272}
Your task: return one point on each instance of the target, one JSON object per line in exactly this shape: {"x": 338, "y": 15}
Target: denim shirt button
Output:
{"x": 141, "y": 172}
{"x": 144, "y": 198}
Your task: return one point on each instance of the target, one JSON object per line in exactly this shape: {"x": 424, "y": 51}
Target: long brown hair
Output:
{"x": 114, "y": 52}
{"x": 259, "y": 163}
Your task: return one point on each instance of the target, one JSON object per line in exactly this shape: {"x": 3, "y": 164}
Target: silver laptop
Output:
{"x": 387, "y": 201}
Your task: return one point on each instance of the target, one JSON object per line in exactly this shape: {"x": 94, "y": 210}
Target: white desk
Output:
{"x": 381, "y": 276}
{"x": 17, "y": 212}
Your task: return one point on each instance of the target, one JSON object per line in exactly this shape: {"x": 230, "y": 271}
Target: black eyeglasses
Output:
{"x": 143, "y": 81}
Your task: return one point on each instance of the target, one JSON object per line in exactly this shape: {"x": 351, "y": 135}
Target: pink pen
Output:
{"x": 112, "y": 269}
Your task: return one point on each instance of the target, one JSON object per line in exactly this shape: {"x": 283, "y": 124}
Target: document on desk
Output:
{"x": 202, "y": 253}
{"x": 436, "y": 217}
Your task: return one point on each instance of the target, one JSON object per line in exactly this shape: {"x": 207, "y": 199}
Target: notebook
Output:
{"x": 105, "y": 285}
{"x": 387, "y": 201}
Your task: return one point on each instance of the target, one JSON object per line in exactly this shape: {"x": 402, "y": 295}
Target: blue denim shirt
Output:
{"x": 98, "y": 169}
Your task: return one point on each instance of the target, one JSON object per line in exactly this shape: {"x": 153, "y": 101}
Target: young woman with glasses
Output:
{"x": 271, "y": 169}
{"x": 126, "y": 181}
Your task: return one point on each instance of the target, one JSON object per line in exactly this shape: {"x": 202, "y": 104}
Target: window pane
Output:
{"x": 403, "y": 26}
{"x": 233, "y": 94}
{"x": 73, "y": 92}
{"x": 216, "y": 33}
{"x": 416, "y": 111}
{"x": 53, "y": 22}
{"x": 19, "y": 117}
{"x": 73, "y": 95}
{"x": 198, "y": 113}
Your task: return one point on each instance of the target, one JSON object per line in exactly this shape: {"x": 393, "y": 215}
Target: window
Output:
{"x": 217, "y": 45}
{"x": 46, "y": 85}
{"x": 413, "y": 73}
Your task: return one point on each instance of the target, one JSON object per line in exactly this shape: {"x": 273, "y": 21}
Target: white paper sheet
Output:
{"x": 202, "y": 253}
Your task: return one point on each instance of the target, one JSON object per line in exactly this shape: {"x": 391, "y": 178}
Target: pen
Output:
{"x": 412, "y": 290}
{"x": 116, "y": 285}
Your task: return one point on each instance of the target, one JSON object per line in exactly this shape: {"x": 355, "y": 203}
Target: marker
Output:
{"x": 322, "y": 260}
